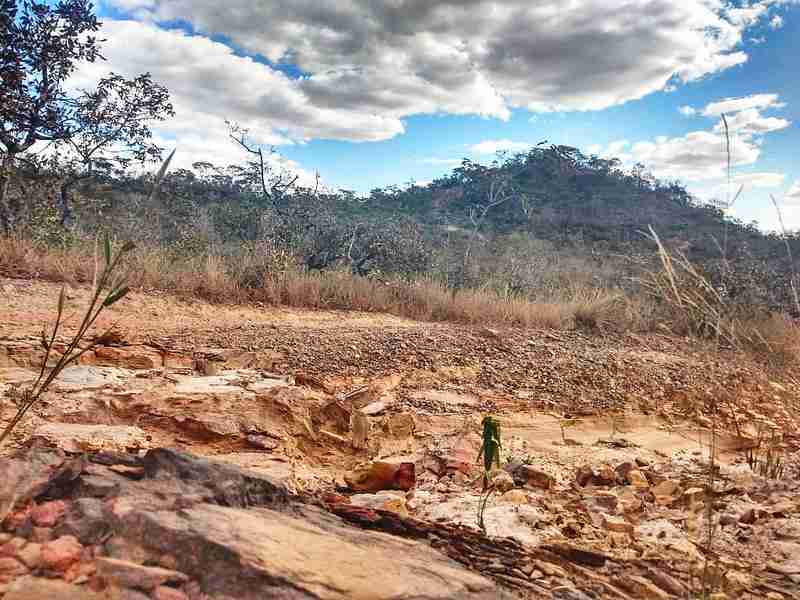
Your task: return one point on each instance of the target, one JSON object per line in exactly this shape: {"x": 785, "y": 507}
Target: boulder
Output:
{"x": 129, "y": 357}
{"x": 381, "y": 475}
{"x": 34, "y": 588}
{"x": 131, "y": 575}
{"x": 75, "y": 438}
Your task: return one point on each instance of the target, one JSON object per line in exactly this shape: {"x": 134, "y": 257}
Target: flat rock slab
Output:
{"x": 83, "y": 377}
{"x": 447, "y": 398}
{"x": 257, "y": 553}
{"x": 35, "y": 588}
{"x": 214, "y": 384}
{"x": 72, "y": 437}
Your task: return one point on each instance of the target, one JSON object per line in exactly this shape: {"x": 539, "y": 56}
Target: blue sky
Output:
{"x": 374, "y": 93}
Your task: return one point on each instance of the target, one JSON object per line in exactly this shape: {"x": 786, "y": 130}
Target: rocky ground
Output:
{"x": 230, "y": 452}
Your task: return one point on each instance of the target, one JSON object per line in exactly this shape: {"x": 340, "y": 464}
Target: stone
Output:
{"x": 71, "y": 437}
{"x": 10, "y": 569}
{"x": 502, "y": 481}
{"x": 605, "y": 476}
{"x": 381, "y": 501}
{"x": 380, "y": 475}
{"x": 260, "y": 553}
{"x": 359, "y": 430}
{"x": 605, "y": 499}
{"x": 167, "y": 593}
{"x": 60, "y": 554}
{"x": 41, "y": 534}
{"x": 694, "y": 495}
{"x": 25, "y": 479}
{"x": 48, "y": 514}
{"x": 130, "y": 357}
{"x": 623, "y": 469}
{"x": 535, "y": 478}
{"x": 34, "y": 588}
{"x": 617, "y": 524}
{"x": 514, "y": 497}
{"x": 82, "y": 378}
{"x": 401, "y": 425}
{"x": 263, "y": 442}
{"x": 86, "y": 521}
{"x": 667, "y": 488}
{"x": 629, "y": 501}
{"x": 642, "y": 588}
{"x": 130, "y": 575}
{"x": 31, "y": 555}
{"x": 638, "y": 480}
{"x": 12, "y": 546}
{"x": 584, "y": 476}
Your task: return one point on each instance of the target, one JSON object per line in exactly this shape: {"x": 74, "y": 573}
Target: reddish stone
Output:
{"x": 59, "y": 555}
{"x": 12, "y": 547}
{"x": 49, "y": 513}
{"x": 163, "y": 592}
{"x": 10, "y": 569}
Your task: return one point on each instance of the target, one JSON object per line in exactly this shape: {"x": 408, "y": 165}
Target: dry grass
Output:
{"x": 260, "y": 277}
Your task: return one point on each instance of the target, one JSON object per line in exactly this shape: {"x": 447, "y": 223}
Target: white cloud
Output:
{"x": 758, "y": 40}
{"x": 759, "y": 180}
{"x": 495, "y": 146}
{"x": 687, "y": 111}
{"x": 776, "y": 22}
{"x": 447, "y": 162}
{"x": 388, "y": 59}
{"x": 730, "y": 105}
{"x": 750, "y": 121}
{"x": 792, "y": 196}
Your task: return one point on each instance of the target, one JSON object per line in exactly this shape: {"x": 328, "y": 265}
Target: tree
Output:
{"x": 41, "y": 45}
{"x": 111, "y": 130}
{"x": 90, "y": 132}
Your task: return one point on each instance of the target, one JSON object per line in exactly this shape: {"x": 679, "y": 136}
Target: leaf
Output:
{"x": 116, "y": 295}
{"x": 107, "y": 248}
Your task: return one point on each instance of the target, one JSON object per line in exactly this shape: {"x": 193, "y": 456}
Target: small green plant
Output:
{"x": 108, "y": 289}
{"x": 490, "y": 452}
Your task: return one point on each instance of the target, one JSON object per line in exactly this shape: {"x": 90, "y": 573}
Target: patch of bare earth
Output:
{"x": 602, "y": 490}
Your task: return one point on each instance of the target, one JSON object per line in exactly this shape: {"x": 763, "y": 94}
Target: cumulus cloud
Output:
{"x": 793, "y": 195}
{"x": 447, "y": 162}
{"x": 702, "y": 155}
{"x": 776, "y": 22}
{"x": 386, "y": 60}
{"x": 730, "y": 105}
{"x": 495, "y": 146}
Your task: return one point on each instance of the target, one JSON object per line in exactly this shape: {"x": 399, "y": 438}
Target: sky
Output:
{"x": 371, "y": 93}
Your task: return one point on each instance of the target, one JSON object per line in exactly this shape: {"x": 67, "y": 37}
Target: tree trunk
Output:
{"x": 6, "y": 217}
{"x": 66, "y": 212}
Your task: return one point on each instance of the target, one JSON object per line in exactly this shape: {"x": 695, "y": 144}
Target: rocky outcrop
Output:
{"x": 169, "y": 523}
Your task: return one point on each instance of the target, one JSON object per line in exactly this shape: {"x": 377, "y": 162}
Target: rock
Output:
{"x": 12, "y": 546}
{"x": 514, "y": 497}
{"x": 41, "y": 534}
{"x": 535, "y": 478}
{"x": 168, "y": 593}
{"x": 550, "y": 569}
{"x": 629, "y": 501}
{"x": 379, "y": 476}
{"x": 376, "y": 408}
{"x": 82, "y": 378}
{"x": 642, "y": 588}
{"x": 606, "y": 500}
{"x": 263, "y": 442}
{"x": 31, "y": 555}
{"x": 605, "y": 476}
{"x": 130, "y": 357}
{"x": 400, "y": 425}
{"x": 60, "y": 554}
{"x": 74, "y": 438}
{"x": 359, "y": 429}
{"x": 259, "y": 553}
{"x": 85, "y": 521}
{"x": 128, "y": 574}
{"x": 24, "y": 479}
{"x": 638, "y": 480}
{"x": 48, "y": 514}
{"x": 694, "y": 495}
{"x": 584, "y": 475}
{"x": 623, "y": 469}
{"x": 789, "y": 567}
{"x": 617, "y": 524}
{"x": 34, "y": 588}
{"x": 666, "y": 492}
{"x": 502, "y": 481}
{"x": 10, "y": 569}
{"x": 748, "y": 517}
{"x": 381, "y": 501}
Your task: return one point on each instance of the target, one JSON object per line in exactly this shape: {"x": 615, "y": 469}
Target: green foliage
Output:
{"x": 490, "y": 447}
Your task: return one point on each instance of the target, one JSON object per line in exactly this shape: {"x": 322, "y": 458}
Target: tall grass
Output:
{"x": 251, "y": 277}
